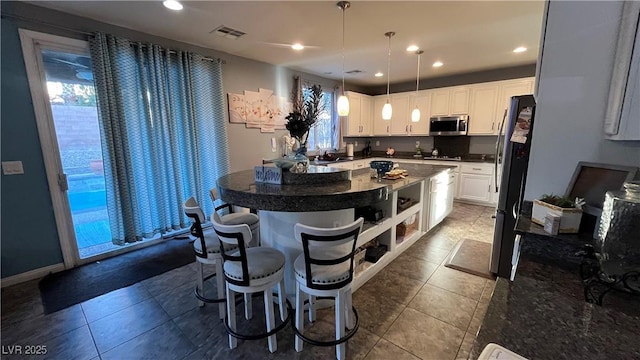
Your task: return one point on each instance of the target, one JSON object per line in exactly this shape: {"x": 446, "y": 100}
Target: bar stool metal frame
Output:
{"x": 207, "y": 255}
{"x": 331, "y": 287}
{"x": 236, "y": 234}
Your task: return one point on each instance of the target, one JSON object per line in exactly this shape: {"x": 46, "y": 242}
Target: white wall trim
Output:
{"x": 30, "y": 275}
{"x": 31, "y": 43}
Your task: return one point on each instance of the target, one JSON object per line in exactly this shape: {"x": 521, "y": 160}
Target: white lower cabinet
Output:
{"x": 476, "y": 180}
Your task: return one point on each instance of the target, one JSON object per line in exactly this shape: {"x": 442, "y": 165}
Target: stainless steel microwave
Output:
{"x": 449, "y": 125}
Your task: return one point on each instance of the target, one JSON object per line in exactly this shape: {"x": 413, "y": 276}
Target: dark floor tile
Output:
{"x": 487, "y": 292}
{"x": 458, "y": 282}
{"x": 465, "y": 347}
{"x": 376, "y": 313}
{"x": 76, "y": 344}
{"x": 425, "y": 336}
{"x": 394, "y": 286}
{"x": 182, "y": 298}
{"x": 114, "y": 301}
{"x": 168, "y": 281}
{"x": 413, "y": 267}
{"x": 37, "y": 330}
{"x": 444, "y": 305}
{"x": 427, "y": 252}
{"x": 202, "y": 326}
{"x": 21, "y": 301}
{"x": 126, "y": 324}
{"x": 385, "y": 350}
{"x": 440, "y": 240}
{"x": 478, "y": 317}
{"x": 163, "y": 342}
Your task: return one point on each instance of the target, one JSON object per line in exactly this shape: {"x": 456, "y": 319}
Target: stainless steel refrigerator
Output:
{"x": 516, "y": 146}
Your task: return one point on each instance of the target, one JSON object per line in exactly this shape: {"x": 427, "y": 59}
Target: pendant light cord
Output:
{"x": 390, "y": 34}
{"x": 343, "y": 9}
{"x": 418, "y": 74}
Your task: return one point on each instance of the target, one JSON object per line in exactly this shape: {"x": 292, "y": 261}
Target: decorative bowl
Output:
{"x": 285, "y": 163}
{"x": 382, "y": 166}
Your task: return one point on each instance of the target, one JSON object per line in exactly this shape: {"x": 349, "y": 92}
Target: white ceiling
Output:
{"x": 465, "y": 35}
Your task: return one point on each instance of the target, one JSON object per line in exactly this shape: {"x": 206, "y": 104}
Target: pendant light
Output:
{"x": 386, "y": 109}
{"x": 415, "y": 114}
{"x": 343, "y": 101}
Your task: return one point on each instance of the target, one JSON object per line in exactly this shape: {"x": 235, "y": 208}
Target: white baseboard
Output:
{"x": 30, "y": 275}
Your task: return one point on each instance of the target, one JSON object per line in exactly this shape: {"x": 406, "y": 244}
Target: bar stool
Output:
{"x": 207, "y": 249}
{"x": 250, "y": 270}
{"x": 238, "y": 218}
{"x": 325, "y": 269}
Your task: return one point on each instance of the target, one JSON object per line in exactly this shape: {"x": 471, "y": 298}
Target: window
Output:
{"x": 323, "y": 135}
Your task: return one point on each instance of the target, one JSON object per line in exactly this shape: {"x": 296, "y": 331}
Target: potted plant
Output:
{"x": 549, "y": 204}
{"x": 304, "y": 115}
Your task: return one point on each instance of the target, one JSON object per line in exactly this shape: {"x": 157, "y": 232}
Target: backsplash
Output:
{"x": 477, "y": 144}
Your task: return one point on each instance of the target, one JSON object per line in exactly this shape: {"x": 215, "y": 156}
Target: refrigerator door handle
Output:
{"x": 514, "y": 211}
{"x": 498, "y": 141}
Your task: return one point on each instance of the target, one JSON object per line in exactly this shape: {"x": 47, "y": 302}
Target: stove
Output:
{"x": 454, "y": 158}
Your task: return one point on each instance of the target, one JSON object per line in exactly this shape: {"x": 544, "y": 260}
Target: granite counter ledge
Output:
{"x": 542, "y": 314}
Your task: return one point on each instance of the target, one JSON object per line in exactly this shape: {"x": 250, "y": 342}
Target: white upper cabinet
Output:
{"x": 439, "y": 102}
{"x": 450, "y": 101}
{"x": 380, "y": 126}
{"x": 358, "y": 122}
{"x": 400, "y": 115}
{"x": 507, "y": 90}
{"x": 482, "y": 114}
{"x": 490, "y": 102}
{"x": 459, "y": 104}
{"x": 422, "y": 100}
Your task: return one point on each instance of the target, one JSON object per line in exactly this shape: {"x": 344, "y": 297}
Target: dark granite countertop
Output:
{"x": 240, "y": 189}
{"x": 542, "y": 314}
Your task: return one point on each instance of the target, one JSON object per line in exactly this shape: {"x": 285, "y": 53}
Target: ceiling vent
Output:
{"x": 352, "y": 72}
{"x": 227, "y": 32}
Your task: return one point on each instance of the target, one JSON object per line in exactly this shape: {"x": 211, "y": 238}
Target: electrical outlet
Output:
{"x": 377, "y": 142}
{"x": 274, "y": 145}
{"x": 12, "y": 168}
{"x": 355, "y": 143}
{"x": 417, "y": 143}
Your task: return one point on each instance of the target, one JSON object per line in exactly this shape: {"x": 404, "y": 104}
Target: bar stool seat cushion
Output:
{"x": 211, "y": 242}
{"x": 263, "y": 262}
{"x": 241, "y": 218}
{"x": 323, "y": 274}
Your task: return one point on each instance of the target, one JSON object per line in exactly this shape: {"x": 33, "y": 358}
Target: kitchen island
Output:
{"x": 543, "y": 314}
{"x": 333, "y": 204}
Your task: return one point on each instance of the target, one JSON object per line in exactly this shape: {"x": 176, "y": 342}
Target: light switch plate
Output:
{"x": 12, "y": 168}
{"x": 273, "y": 144}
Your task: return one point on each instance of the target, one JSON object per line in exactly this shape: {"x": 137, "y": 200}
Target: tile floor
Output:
{"x": 413, "y": 309}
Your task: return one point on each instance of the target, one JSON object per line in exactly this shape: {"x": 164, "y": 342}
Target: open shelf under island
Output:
{"x": 333, "y": 204}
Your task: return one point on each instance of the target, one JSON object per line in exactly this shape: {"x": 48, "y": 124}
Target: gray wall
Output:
{"x": 28, "y": 230}
{"x": 575, "y": 74}
{"x": 29, "y": 234}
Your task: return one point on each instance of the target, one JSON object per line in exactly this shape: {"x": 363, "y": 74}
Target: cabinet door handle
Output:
{"x": 477, "y": 169}
{"x": 493, "y": 125}
{"x": 387, "y": 128}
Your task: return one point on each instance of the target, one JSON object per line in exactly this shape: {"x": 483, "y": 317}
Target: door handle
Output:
{"x": 497, "y": 154}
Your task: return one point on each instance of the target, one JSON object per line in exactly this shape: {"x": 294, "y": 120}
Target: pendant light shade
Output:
{"x": 343, "y": 105}
{"x": 386, "y": 109}
{"x": 415, "y": 114}
{"x": 343, "y": 101}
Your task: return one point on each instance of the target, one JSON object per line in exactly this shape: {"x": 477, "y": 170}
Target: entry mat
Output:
{"x": 66, "y": 288}
{"x": 471, "y": 256}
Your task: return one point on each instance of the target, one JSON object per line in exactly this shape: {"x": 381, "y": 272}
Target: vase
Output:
{"x": 302, "y": 149}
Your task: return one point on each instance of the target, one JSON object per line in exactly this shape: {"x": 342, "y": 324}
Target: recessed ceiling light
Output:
{"x": 297, "y": 47}
{"x": 412, "y": 48}
{"x": 378, "y": 74}
{"x": 520, "y": 49}
{"x": 437, "y": 64}
{"x": 172, "y": 4}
